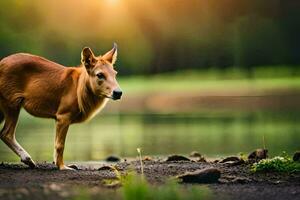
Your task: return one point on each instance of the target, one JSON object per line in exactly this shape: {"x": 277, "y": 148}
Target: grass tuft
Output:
{"x": 282, "y": 163}
{"x": 137, "y": 188}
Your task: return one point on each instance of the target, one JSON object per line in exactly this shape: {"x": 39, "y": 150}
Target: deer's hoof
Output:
{"x": 28, "y": 161}
{"x": 64, "y": 167}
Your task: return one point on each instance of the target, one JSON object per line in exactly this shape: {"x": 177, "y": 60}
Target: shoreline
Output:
{"x": 236, "y": 181}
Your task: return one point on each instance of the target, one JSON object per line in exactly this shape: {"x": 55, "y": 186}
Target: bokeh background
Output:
{"x": 216, "y": 76}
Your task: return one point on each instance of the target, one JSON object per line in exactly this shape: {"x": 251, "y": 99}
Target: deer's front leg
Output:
{"x": 62, "y": 127}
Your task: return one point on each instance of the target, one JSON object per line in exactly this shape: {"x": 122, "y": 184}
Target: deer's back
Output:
{"x": 34, "y": 81}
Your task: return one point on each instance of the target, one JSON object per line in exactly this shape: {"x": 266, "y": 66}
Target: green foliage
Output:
{"x": 137, "y": 188}
{"x": 243, "y": 156}
{"x": 279, "y": 164}
{"x": 195, "y": 35}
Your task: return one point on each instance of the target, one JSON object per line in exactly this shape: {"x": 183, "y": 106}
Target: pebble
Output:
{"x": 113, "y": 159}
{"x": 210, "y": 175}
{"x": 177, "y": 158}
{"x": 201, "y": 159}
{"x": 230, "y": 158}
{"x": 258, "y": 154}
{"x": 73, "y": 166}
{"x": 296, "y": 156}
{"x": 195, "y": 154}
{"x": 147, "y": 158}
{"x": 106, "y": 167}
{"x": 232, "y": 161}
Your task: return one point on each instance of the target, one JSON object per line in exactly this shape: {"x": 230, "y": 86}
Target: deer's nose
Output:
{"x": 117, "y": 94}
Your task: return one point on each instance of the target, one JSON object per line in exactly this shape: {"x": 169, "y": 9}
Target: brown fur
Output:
{"x": 1, "y": 117}
{"x": 47, "y": 89}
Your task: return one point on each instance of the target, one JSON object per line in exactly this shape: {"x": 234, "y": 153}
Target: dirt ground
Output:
{"x": 46, "y": 182}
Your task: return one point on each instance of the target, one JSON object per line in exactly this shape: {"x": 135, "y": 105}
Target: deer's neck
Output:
{"x": 89, "y": 104}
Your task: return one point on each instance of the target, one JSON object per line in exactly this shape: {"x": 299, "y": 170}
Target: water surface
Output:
{"x": 212, "y": 134}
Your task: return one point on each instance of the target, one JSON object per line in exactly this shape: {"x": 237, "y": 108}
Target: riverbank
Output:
{"x": 236, "y": 180}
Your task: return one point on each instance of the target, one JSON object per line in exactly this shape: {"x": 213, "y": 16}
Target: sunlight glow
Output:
{"x": 112, "y": 2}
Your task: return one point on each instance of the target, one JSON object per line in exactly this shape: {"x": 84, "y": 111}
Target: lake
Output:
{"x": 212, "y": 134}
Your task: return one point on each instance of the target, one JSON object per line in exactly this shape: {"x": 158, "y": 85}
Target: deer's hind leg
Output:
{"x": 7, "y": 135}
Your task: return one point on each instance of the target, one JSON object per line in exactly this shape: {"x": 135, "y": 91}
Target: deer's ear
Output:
{"x": 87, "y": 58}
{"x": 111, "y": 56}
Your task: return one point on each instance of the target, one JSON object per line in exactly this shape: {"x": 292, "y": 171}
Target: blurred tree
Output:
{"x": 154, "y": 36}
{"x": 258, "y": 41}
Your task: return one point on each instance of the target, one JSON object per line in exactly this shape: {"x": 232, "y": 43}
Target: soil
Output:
{"x": 236, "y": 182}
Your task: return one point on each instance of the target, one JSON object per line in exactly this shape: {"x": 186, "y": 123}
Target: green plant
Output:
{"x": 141, "y": 161}
{"x": 243, "y": 156}
{"x": 137, "y": 188}
{"x": 279, "y": 164}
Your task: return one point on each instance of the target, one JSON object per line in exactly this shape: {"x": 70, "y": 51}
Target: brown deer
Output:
{"x": 47, "y": 89}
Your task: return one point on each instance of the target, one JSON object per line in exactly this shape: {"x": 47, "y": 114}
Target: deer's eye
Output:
{"x": 101, "y": 76}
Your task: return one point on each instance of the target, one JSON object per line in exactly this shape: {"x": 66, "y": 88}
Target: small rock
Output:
{"x": 235, "y": 163}
{"x": 147, "y": 158}
{"x": 232, "y": 161}
{"x": 195, "y": 154}
{"x": 106, "y": 167}
{"x": 234, "y": 179}
{"x": 258, "y": 154}
{"x": 73, "y": 166}
{"x": 201, "y": 159}
{"x": 230, "y": 158}
{"x": 210, "y": 175}
{"x": 113, "y": 159}
{"x": 241, "y": 180}
{"x": 198, "y": 156}
{"x": 216, "y": 161}
{"x": 177, "y": 158}
{"x": 296, "y": 156}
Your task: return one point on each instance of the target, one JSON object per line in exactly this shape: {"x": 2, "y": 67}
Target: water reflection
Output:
{"x": 216, "y": 134}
